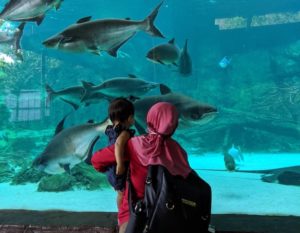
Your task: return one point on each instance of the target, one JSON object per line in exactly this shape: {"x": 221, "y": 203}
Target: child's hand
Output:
{"x": 120, "y": 169}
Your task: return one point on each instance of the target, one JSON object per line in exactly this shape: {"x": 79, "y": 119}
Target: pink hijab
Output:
{"x": 157, "y": 147}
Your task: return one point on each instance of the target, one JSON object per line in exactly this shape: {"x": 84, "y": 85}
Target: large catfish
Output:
{"x": 69, "y": 147}
{"x": 101, "y": 35}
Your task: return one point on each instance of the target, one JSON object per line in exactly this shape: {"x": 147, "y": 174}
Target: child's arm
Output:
{"x": 103, "y": 158}
{"x": 119, "y": 151}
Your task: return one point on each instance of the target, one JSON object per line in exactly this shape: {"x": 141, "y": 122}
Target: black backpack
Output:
{"x": 172, "y": 204}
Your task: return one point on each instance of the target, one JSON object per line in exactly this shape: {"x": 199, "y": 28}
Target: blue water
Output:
{"x": 257, "y": 95}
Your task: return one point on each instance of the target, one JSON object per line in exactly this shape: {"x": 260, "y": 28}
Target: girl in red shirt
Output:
{"x": 155, "y": 148}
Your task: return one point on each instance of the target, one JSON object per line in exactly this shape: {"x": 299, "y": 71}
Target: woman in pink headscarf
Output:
{"x": 155, "y": 148}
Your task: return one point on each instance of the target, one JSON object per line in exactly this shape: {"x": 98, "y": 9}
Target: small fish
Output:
{"x": 225, "y": 62}
{"x": 28, "y": 10}
{"x": 101, "y": 35}
{"x": 185, "y": 61}
{"x": 10, "y": 36}
{"x": 126, "y": 87}
{"x": 69, "y": 147}
{"x": 164, "y": 54}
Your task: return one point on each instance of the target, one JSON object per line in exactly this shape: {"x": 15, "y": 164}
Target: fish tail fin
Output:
{"x": 149, "y": 23}
{"x": 50, "y": 94}
{"x": 18, "y": 37}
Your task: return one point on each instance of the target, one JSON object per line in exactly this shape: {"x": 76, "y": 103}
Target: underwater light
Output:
{"x": 239, "y": 22}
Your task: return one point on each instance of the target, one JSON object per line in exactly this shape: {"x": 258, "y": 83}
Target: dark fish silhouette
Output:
{"x": 101, "y": 35}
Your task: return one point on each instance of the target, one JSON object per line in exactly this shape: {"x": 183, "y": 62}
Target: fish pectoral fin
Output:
{"x": 85, "y": 19}
{"x": 94, "y": 50}
{"x": 74, "y": 105}
{"x": 113, "y": 51}
{"x": 161, "y": 62}
{"x": 96, "y": 53}
{"x": 39, "y": 19}
{"x": 175, "y": 64}
{"x": 164, "y": 89}
{"x": 66, "y": 167}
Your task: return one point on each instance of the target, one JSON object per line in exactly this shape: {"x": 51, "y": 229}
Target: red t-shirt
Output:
{"x": 138, "y": 173}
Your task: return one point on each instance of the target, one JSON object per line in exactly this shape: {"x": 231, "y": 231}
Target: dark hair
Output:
{"x": 120, "y": 109}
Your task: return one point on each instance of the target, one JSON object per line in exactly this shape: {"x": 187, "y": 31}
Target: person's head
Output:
{"x": 121, "y": 111}
{"x": 162, "y": 118}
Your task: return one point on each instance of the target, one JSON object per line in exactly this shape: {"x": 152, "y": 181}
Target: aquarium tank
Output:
{"x": 231, "y": 67}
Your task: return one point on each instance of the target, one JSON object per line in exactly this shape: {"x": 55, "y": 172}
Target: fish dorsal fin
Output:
{"x": 90, "y": 83}
{"x": 164, "y": 89}
{"x": 132, "y": 76}
{"x": 58, "y": 4}
{"x": 185, "y": 45}
{"x": 84, "y": 20}
{"x": 60, "y": 125}
{"x": 172, "y": 41}
{"x": 89, "y": 153}
{"x": 87, "y": 85}
{"x": 39, "y": 19}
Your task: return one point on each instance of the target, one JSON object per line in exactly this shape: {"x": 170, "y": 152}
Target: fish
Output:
{"x": 236, "y": 154}
{"x": 28, "y": 10}
{"x": 185, "y": 61}
{"x": 11, "y": 37}
{"x": 127, "y": 87}
{"x": 73, "y": 96}
{"x": 165, "y": 54}
{"x": 101, "y": 35}
{"x": 225, "y": 62}
{"x": 191, "y": 112}
{"x": 69, "y": 147}
{"x": 229, "y": 162}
